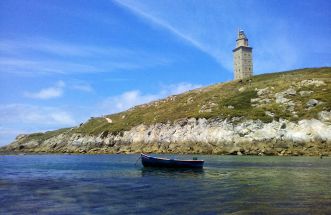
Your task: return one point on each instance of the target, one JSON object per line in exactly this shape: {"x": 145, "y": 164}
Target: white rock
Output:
{"x": 316, "y": 83}
{"x": 312, "y": 103}
{"x": 305, "y": 93}
{"x": 268, "y": 113}
{"x": 290, "y": 92}
{"x": 262, "y": 92}
{"x": 108, "y": 120}
{"x": 281, "y": 100}
{"x": 325, "y": 116}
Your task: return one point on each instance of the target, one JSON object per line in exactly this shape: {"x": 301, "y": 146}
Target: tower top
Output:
{"x": 241, "y": 35}
{"x": 242, "y": 39}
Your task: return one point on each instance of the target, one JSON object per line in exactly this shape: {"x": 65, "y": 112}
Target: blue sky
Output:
{"x": 62, "y": 62}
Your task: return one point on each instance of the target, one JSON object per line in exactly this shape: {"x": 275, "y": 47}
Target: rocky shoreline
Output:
{"x": 311, "y": 137}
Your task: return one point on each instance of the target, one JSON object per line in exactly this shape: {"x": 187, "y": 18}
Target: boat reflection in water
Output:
{"x": 172, "y": 172}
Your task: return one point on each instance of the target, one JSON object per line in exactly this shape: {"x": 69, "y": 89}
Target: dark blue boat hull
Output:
{"x": 149, "y": 161}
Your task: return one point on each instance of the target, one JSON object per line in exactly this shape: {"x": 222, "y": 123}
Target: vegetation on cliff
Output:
{"x": 230, "y": 99}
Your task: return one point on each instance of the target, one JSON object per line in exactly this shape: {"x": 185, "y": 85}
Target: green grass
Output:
{"x": 240, "y": 101}
{"x": 221, "y": 96}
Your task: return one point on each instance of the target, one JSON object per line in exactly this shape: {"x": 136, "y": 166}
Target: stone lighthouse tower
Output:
{"x": 242, "y": 58}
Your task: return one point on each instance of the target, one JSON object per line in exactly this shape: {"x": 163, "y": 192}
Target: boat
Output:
{"x": 150, "y": 161}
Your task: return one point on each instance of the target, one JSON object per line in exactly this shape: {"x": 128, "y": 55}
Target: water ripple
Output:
{"x": 111, "y": 184}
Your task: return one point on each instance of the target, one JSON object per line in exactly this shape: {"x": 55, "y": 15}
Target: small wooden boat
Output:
{"x": 149, "y": 161}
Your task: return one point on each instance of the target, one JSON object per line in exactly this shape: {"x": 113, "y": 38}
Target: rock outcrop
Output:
{"x": 214, "y": 136}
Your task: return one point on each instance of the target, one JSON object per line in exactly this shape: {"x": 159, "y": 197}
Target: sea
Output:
{"x": 119, "y": 184}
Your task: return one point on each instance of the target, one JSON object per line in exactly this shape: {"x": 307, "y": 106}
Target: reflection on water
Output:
{"x": 171, "y": 172}
{"x": 111, "y": 184}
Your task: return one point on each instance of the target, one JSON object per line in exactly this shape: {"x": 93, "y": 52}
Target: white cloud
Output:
{"x": 125, "y": 100}
{"x": 84, "y": 87}
{"x": 186, "y": 29}
{"x": 22, "y": 57}
{"x": 140, "y": 12}
{"x": 48, "y": 93}
{"x": 34, "y": 115}
{"x": 174, "y": 89}
{"x": 32, "y": 67}
{"x": 44, "y": 45}
{"x": 62, "y": 117}
{"x": 132, "y": 98}
{"x": 23, "y": 119}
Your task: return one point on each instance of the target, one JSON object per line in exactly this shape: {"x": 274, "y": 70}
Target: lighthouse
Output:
{"x": 242, "y": 58}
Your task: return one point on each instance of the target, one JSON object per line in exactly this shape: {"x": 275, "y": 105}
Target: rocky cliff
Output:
{"x": 274, "y": 114}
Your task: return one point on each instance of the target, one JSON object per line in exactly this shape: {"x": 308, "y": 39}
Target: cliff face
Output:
{"x": 274, "y": 114}
{"x": 215, "y": 136}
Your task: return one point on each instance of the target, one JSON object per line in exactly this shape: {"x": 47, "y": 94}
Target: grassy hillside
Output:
{"x": 247, "y": 99}
{"x": 226, "y": 100}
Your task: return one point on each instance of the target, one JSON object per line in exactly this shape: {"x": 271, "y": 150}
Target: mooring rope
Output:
{"x": 137, "y": 160}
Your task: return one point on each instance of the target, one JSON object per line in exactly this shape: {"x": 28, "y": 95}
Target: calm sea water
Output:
{"x": 112, "y": 184}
